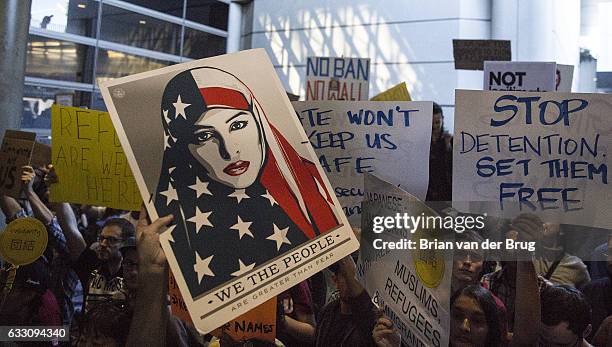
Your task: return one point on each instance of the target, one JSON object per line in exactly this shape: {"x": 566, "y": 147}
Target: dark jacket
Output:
{"x": 362, "y": 323}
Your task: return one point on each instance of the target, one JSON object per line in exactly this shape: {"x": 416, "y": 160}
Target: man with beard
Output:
{"x": 599, "y": 293}
{"x": 101, "y": 269}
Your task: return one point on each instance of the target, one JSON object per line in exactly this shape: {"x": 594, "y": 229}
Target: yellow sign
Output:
{"x": 89, "y": 161}
{"x": 23, "y": 241}
{"x": 397, "y": 93}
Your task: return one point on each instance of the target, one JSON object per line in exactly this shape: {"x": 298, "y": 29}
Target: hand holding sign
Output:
{"x": 152, "y": 259}
{"x": 385, "y": 334}
{"x": 27, "y": 178}
{"x": 526, "y": 227}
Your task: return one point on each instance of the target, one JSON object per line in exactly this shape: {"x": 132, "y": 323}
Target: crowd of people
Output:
{"x": 105, "y": 275}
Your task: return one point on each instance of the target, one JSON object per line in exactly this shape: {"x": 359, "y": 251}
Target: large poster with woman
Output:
{"x": 216, "y": 143}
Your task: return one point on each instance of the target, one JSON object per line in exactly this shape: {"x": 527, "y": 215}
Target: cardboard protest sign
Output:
{"x": 395, "y": 93}
{"x": 216, "y": 143}
{"x": 389, "y": 139}
{"x": 471, "y": 54}
{"x": 520, "y": 76}
{"x": 565, "y": 76}
{"x": 23, "y": 241}
{"x": 257, "y": 324}
{"x": 333, "y": 78}
{"x": 545, "y": 153}
{"x": 17, "y": 151}
{"x": 89, "y": 161}
{"x": 411, "y": 286}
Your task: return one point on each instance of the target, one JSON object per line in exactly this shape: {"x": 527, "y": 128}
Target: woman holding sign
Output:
{"x": 242, "y": 194}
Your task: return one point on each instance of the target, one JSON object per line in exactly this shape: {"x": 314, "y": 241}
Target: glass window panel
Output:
{"x": 61, "y": 60}
{"x": 171, "y": 7}
{"x": 66, "y": 16}
{"x": 199, "y": 44}
{"x": 37, "y": 103}
{"x": 209, "y": 12}
{"x": 137, "y": 30}
{"x": 112, "y": 64}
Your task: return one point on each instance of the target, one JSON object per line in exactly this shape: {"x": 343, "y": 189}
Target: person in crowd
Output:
{"x": 440, "y": 159}
{"x": 566, "y": 317}
{"x": 297, "y": 320}
{"x": 554, "y": 263}
{"x": 467, "y": 263}
{"x": 468, "y": 269}
{"x": 179, "y": 332}
{"x": 598, "y": 262}
{"x": 348, "y": 320}
{"x": 64, "y": 242}
{"x": 26, "y": 298}
{"x": 101, "y": 270}
{"x": 476, "y": 317}
{"x": 603, "y": 336}
{"x": 105, "y": 324}
{"x": 599, "y": 292}
{"x": 150, "y": 309}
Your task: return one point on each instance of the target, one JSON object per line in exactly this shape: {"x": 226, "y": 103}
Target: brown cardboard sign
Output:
{"x": 471, "y": 54}
{"x": 15, "y": 153}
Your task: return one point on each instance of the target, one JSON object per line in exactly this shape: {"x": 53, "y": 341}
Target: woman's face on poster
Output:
{"x": 227, "y": 143}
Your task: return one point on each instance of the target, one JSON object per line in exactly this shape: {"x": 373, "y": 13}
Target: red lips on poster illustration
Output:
{"x": 237, "y": 168}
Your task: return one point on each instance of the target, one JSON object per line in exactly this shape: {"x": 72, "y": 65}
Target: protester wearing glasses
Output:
{"x": 101, "y": 269}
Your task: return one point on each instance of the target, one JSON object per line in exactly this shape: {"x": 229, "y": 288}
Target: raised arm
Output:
{"x": 10, "y": 207}
{"x": 66, "y": 219}
{"x": 527, "y": 314}
{"x": 41, "y": 212}
{"x": 149, "y": 323}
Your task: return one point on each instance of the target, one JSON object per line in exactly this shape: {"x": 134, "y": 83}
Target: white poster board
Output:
{"x": 565, "y": 76}
{"x": 412, "y": 287}
{"x": 215, "y": 142}
{"x": 545, "y": 153}
{"x": 390, "y": 139}
{"x": 519, "y": 76}
{"x": 337, "y": 78}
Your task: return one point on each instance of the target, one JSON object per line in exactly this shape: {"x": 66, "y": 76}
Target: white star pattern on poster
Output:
{"x": 239, "y": 194}
{"x": 170, "y": 194}
{"x": 270, "y": 198}
{"x": 242, "y": 228}
{"x": 169, "y": 231}
{"x": 200, "y": 187}
{"x": 200, "y": 219}
{"x": 243, "y": 268}
{"x": 180, "y": 107}
{"x": 202, "y": 267}
{"x": 279, "y": 236}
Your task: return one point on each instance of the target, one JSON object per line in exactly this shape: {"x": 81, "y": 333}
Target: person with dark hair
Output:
{"x": 100, "y": 270}
{"x": 566, "y": 317}
{"x": 440, "y": 159}
{"x": 599, "y": 292}
{"x": 475, "y": 319}
{"x": 348, "y": 320}
{"x": 25, "y": 296}
{"x": 65, "y": 241}
{"x": 179, "y": 333}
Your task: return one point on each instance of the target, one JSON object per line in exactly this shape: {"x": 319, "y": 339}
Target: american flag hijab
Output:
{"x": 222, "y": 232}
